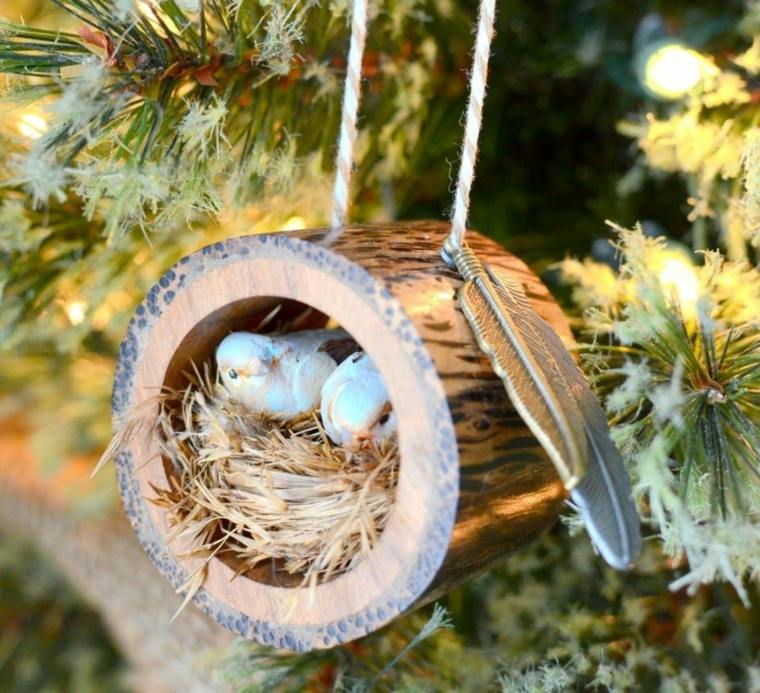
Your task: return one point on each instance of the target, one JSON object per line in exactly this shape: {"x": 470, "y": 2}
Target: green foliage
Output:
{"x": 550, "y": 618}
{"x": 396, "y": 658}
{"x": 165, "y": 115}
{"x": 674, "y": 350}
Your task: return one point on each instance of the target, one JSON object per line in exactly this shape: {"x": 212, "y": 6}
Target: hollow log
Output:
{"x": 473, "y": 482}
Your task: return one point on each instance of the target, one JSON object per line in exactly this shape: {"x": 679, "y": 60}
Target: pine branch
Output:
{"x": 682, "y": 380}
{"x": 165, "y": 116}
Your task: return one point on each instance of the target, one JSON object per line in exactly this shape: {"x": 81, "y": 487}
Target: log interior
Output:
{"x": 199, "y": 344}
{"x": 198, "y": 347}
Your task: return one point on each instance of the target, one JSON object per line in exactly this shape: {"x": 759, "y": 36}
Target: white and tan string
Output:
{"x": 478, "y": 80}
{"x": 351, "y": 96}
{"x": 474, "y": 119}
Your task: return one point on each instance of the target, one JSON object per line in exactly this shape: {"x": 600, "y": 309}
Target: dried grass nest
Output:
{"x": 255, "y": 490}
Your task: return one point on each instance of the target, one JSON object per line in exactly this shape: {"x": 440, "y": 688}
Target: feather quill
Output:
{"x": 550, "y": 392}
{"x": 529, "y": 371}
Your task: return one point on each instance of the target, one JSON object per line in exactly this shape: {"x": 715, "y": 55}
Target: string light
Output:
{"x": 31, "y": 125}
{"x": 678, "y": 277}
{"x": 671, "y": 70}
{"x": 76, "y": 312}
{"x": 294, "y": 223}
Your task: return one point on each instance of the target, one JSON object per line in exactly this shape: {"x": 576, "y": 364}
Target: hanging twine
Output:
{"x": 478, "y": 80}
{"x": 351, "y": 96}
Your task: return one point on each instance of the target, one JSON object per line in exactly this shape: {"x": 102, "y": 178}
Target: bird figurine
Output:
{"x": 280, "y": 376}
{"x": 355, "y": 405}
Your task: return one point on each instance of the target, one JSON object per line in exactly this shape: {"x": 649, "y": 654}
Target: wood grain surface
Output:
{"x": 473, "y": 481}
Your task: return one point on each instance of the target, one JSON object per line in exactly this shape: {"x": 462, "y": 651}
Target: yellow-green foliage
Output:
{"x": 712, "y": 139}
{"x": 157, "y": 124}
{"x": 676, "y": 355}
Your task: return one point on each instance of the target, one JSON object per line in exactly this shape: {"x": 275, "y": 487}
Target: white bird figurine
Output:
{"x": 355, "y": 405}
{"x": 280, "y": 375}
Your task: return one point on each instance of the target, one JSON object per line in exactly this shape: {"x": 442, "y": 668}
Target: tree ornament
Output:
{"x": 355, "y": 405}
{"x": 473, "y": 482}
{"x": 280, "y": 376}
{"x": 442, "y": 341}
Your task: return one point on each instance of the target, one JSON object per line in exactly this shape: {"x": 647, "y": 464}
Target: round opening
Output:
{"x": 276, "y": 316}
{"x": 232, "y": 286}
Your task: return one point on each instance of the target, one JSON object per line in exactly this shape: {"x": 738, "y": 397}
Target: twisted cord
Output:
{"x": 351, "y": 96}
{"x": 478, "y": 80}
{"x": 350, "y": 109}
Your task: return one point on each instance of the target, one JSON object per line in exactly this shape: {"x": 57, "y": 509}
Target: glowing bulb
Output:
{"x": 31, "y": 125}
{"x": 677, "y": 276}
{"x": 293, "y": 224}
{"x": 76, "y": 311}
{"x": 672, "y": 70}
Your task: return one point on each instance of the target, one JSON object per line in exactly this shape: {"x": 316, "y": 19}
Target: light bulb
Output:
{"x": 76, "y": 311}
{"x": 671, "y": 70}
{"x": 677, "y": 276}
{"x": 31, "y": 125}
{"x": 294, "y": 223}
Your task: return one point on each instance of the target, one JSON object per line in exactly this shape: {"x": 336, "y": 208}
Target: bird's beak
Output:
{"x": 363, "y": 440}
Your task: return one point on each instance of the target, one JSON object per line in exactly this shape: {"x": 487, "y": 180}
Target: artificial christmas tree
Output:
{"x": 139, "y": 132}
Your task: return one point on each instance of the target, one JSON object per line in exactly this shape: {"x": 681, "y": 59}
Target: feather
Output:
{"x": 340, "y": 348}
{"x": 530, "y": 374}
{"x": 550, "y": 392}
{"x": 603, "y": 495}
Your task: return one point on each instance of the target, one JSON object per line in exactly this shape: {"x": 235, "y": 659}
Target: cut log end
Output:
{"x": 473, "y": 482}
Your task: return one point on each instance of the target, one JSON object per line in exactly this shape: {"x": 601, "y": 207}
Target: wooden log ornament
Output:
{"x": 473, "y": 482}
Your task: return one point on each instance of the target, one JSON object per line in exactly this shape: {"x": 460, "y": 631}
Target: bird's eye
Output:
{"x": 233, "y": 374}
{"x": 384, "y": 419}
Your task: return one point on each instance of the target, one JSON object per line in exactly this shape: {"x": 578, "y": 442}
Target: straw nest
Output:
{"x": 252, "y": 491}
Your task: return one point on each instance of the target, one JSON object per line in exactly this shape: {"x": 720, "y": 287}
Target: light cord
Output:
{"x": 351, "y": 96}
{"x": 478, "y": 80}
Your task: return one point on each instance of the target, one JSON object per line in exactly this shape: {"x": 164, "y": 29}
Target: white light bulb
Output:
{"x": 31, "y": 125}
{"x": 293, "y": 224}
{"x": 76, "y": 312}
{"x": 677, "y": 276}
{"x": 673, "y": 70}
